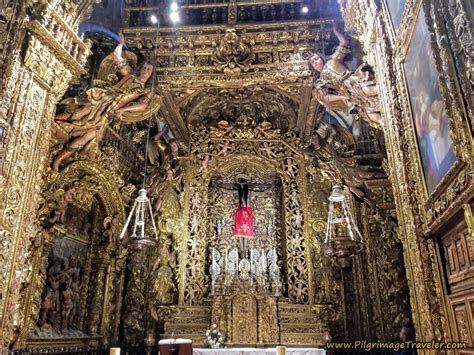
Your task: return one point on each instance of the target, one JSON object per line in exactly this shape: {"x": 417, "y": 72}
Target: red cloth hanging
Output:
{"x": 243, "y": 226}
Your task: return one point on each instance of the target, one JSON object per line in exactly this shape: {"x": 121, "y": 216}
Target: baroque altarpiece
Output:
{"x": 244, "y": 108}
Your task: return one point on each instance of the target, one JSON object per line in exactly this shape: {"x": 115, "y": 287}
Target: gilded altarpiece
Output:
{"x": 245, "y": 151}
{"x": 78, "y": 263}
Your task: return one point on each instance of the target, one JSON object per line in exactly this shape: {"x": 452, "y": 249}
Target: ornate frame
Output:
{"x": 433, "y": 203}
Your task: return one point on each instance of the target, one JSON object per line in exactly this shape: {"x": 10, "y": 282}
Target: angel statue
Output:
{"x": 81, "y": 127}
{"x": 340, "y": 89}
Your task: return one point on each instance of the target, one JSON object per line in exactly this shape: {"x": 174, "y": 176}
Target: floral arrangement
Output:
{"x": 214, "y": 337}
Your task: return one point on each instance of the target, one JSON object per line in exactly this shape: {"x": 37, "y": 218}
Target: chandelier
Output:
{"x": 140, "y": 210}
{"x": 343, "y": 239}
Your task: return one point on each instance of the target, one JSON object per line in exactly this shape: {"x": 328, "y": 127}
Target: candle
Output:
{"x": 225, "y": 262}
{"x": 114, "y": 351}
{"x": 237, "y": 265}
{"x": 281, "y": 350}
{"x": 251, "y": 266}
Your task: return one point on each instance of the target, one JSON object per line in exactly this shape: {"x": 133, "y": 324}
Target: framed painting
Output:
{"x": 431, "y": 121}
{"x": 395, "y": 9}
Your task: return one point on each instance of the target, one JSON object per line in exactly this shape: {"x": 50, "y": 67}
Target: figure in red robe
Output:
{"x": 243, "y": 226}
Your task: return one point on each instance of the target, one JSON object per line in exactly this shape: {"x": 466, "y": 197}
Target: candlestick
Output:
{"x": 225, "y": 262}
{"x": 275, "y": 259}
{"x": 237, "y": 265}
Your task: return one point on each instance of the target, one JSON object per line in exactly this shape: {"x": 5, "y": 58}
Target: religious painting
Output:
{"x": 61, "y": 296}
{"x": 429, "y": 112}
{"x": 395, "y": 10}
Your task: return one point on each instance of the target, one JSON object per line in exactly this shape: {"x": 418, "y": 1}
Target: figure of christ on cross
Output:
{"x": 243, "y": 224}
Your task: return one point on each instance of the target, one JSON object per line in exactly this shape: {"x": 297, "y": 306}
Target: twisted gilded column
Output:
{"x": 45, "y": 54}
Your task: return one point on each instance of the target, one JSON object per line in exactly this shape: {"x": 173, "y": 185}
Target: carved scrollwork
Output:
{"x": 232, "y": 55}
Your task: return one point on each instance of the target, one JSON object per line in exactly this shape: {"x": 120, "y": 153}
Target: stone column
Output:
{"x": 39, "y": 69}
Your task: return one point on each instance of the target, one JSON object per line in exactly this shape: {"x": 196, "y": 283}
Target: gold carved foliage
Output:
{"x": 459, "y": 25}
{"x": 30, "y": 87}
{"x": 17, "y": 203}
{"x": 245, "y": 107}
{"x": 232, "y": 55}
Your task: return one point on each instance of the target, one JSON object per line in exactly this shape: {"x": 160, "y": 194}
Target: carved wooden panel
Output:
{"x": 268, "y": 330}
{"x": 462, "y": 307}
{"x": 459, "y": 266}
{"x": 459, "y": 256}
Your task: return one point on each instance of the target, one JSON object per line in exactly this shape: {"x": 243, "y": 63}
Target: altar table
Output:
{"x": 255, "y": 351}
{"x": 176, "y": 346}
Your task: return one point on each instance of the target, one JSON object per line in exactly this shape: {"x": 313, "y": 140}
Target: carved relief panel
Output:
{"x": 244, "y": 316}
{"x": 60, "y": 311}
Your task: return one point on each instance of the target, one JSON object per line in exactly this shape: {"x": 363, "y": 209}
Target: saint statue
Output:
{"x": 81, "y": 127}
{"x": 167, "y": 202}
{"x": 164, "y": 287}
{"x": 340, "y": 89}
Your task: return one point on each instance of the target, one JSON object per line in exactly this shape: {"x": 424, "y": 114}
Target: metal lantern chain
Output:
{"x": 343, "y": 239}
{"x": 142, "y": 206}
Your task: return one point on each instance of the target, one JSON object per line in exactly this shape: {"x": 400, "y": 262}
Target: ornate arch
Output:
{"x": 107, "y": 185}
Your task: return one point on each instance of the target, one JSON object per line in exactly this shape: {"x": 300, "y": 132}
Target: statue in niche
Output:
{"x": 157, "y": 148}
{"x": 81, "y": 127}
{"x": 166, "y": 156}
{"x": 340, "y": 89}
{"x": 327, "y": 286}
{"x": 164, "y": 287}
{"x": 167, "y": 204}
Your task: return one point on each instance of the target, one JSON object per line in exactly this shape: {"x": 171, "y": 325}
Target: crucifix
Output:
{"x": 243, "y": 225}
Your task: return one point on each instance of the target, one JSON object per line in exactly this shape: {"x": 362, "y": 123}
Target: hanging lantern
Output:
{"x": 141, "y": 210}
{"x": 343, "y": 239}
